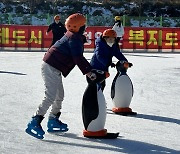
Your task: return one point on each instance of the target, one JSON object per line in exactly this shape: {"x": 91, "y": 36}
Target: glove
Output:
{"x": 84, "y": 39}
{"x": 113, "y": 65}
{"x": 130, "y": 64}
{"x": 91, "y": 75}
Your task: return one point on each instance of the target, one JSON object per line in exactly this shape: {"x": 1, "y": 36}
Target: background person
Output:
{"x": 118, "y": 28}
{"x": 57, "y": 28}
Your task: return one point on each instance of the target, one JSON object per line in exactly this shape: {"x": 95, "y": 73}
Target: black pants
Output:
{"x": 53, "y": 41}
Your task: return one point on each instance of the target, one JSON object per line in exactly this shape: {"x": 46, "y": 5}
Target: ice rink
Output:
{"x": 155, "y": 130}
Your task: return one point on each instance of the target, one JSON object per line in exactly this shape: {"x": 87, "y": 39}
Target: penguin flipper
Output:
{"x": 113, "y": 85}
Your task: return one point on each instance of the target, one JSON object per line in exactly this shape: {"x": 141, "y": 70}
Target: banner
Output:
{"x": 134, "y": 38}
{"x": 140, "y": 38}
{"x": 24, "y": 36}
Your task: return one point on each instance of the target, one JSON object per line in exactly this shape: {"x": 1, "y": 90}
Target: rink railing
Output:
{"x": 136, "y": 39}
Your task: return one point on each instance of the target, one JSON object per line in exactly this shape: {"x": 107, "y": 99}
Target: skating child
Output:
{"x": 59, "y": 60}
{"x": 105, "y": 49}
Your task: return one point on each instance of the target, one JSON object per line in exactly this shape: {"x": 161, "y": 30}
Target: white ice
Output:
{"x": 155, "y": 130}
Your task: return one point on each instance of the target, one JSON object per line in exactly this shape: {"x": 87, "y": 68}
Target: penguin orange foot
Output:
{"x": 102, "y": 134}
{"x": 124, "y": 111}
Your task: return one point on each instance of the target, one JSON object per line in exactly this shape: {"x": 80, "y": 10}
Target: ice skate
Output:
{"x": 34, "y": 127}
{"x": 55, "y": 125}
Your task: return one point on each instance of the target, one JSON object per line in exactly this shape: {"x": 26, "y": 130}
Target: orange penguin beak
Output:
{"x": 107, "y": 74}
{"x": 126, "y": 65}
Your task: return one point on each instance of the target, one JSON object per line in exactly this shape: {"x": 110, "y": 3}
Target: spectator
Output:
{"x": 118, "y": 28}
{"x": 57, "y": 28}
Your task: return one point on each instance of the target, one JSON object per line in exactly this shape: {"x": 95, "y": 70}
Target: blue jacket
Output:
{"x": 102, "y": 57}
{"x": 68, "y": 52}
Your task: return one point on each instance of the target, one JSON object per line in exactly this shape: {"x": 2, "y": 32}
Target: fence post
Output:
{"x": 124, "y": 20}
{"x": 9, "y": 18}
{"x": 48, "y": 19}
{"x": 86, "y": 20}
{"x": 161, "y": 23}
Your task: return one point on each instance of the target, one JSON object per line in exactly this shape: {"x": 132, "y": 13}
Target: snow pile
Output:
{"x": 97, "y": 14}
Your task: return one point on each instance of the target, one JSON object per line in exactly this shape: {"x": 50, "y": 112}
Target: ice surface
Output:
{"x": 156, "y": 80}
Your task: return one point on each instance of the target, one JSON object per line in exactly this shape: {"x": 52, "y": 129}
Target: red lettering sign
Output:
{"x": 134, "y": 38}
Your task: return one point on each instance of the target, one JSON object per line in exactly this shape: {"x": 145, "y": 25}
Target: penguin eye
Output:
{"x": 100, "y": 72}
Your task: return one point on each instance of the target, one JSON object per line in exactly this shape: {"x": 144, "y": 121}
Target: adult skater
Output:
{"x": 59, "y": 60}
{"x": 57, "y": 28}
{"x": 118, "y": 28}
{"x": 105, "y": 49}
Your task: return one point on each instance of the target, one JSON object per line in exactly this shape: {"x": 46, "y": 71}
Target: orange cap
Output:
{"x": 74, "y": 22}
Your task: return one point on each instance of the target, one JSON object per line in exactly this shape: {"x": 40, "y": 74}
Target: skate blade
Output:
{"x": 34, "y": 134}
{"x": 107, "y": 136}
{"x": 56, "y": 130}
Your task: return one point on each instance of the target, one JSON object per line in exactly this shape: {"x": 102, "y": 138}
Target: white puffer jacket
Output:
{"x": 119, "y": 30}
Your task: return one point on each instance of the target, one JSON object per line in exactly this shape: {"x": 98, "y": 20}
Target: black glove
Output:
{"x": 130, "y": 64}
{"x": 91, "y": 75}
{"x": 84, "y": 39}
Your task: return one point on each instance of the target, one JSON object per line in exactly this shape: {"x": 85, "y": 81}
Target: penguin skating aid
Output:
{"x": 122, "y": 90}
{"x": 94, "y": 109}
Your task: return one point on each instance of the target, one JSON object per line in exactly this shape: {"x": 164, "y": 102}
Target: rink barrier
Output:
{"x": 136, "y": 39}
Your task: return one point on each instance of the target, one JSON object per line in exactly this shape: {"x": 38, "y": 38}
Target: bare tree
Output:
{"x": 6, "y": 1}
{"x": 105, "y": 1}
{"x": 138, "y": 6}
